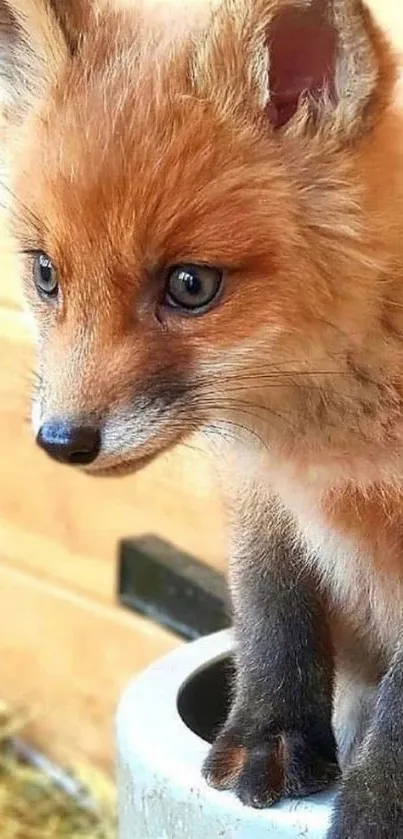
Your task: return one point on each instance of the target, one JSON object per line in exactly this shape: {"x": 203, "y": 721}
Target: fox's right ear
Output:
{"x": 37, "y": 38}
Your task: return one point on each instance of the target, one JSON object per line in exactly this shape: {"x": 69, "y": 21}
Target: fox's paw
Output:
{"x": 261, "y": 771}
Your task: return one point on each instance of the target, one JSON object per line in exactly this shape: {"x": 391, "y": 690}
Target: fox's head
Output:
{"x": 184, "y": 188}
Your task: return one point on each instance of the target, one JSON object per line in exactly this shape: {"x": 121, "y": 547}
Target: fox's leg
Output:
{"x": 278, "y": 739}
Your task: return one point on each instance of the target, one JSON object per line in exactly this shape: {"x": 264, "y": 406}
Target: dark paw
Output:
{"x": 262, "y": 772}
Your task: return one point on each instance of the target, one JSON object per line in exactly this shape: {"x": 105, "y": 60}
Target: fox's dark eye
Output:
{"x": 192, "y": 287}
{"x": 45, "y": 275}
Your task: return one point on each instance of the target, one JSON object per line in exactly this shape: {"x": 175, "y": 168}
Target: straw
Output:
{"x": 39, "y": 800}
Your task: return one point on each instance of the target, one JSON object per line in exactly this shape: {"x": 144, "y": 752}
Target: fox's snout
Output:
{"x": 70, "y": 442}
{"x": 102, "y": 420}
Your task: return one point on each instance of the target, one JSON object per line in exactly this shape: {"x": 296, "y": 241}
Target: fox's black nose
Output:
{"x": 69, "y": 443}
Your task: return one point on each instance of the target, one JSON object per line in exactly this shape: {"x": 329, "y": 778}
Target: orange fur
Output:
{"x": 148, "y": 147}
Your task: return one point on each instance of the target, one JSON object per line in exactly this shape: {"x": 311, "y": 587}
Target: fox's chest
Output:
{"x": 368, "y": 600}
{"x": 364, "y": 585}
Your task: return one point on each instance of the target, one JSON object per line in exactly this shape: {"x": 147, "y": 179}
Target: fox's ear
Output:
{"x": 317, "y": 64}
{"x": 73, "y": 17}
{"x": 326, "y": 60}
{"x": 37, "y": 37}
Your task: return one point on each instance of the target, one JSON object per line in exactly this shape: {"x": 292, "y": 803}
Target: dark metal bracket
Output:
{"x": 172, "y": 588}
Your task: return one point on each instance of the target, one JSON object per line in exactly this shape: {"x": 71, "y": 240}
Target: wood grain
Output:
{"x": 67, "y": 659}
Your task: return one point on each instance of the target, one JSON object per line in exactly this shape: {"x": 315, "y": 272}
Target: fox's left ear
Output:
{"x": 321, "y": 65}
{"x": 327, "y": 63}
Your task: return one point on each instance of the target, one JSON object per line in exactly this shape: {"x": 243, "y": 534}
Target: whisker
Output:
{"x": 240, "y": 427}
{"x": 241, "y": 407}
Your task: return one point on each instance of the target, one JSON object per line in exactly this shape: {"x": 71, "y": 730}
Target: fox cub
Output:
{"x": 207, "y": 203}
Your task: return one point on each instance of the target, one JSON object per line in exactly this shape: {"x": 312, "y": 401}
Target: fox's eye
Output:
{"x": 192, "y": 287}
{"x": 45, "y": 275}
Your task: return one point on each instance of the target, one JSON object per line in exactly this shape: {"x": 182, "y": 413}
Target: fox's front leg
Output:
{"x": 278, "y": 739}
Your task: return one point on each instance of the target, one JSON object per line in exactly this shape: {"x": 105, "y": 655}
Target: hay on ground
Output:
{"x": 39, "y": 801}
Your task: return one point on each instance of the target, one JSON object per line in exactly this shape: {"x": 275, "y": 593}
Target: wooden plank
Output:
{"x": 68, "y": 659}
